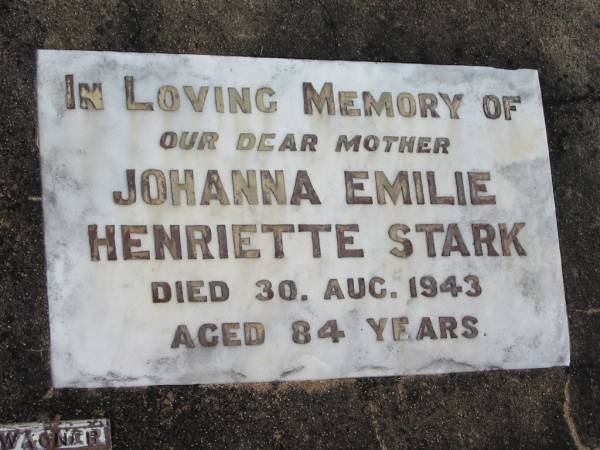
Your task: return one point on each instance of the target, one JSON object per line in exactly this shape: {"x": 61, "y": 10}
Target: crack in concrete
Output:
{"x": 372, "y": 411}
{"x": 571, "y": 422}
{"x": 589, "y": 311}
{"x": 332, "y": 25}
{"x": 572, "y": 99}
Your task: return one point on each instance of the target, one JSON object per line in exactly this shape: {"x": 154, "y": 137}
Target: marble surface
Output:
{"x": 106, "y": 330}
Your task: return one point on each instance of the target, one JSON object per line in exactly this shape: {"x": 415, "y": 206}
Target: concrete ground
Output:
{"x": 546, "y": 409}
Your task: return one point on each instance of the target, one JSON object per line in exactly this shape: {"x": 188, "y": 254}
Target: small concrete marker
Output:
{"x": 78, "y": 434}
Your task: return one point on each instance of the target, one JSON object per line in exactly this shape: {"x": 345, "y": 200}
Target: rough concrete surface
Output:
{"x": 549, "y": 409}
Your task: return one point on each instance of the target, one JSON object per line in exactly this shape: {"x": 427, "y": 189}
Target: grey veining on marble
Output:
{"x": 107, "y": 331}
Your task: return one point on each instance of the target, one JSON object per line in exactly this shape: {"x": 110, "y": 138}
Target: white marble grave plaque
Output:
{"x": 215, "y": 219}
